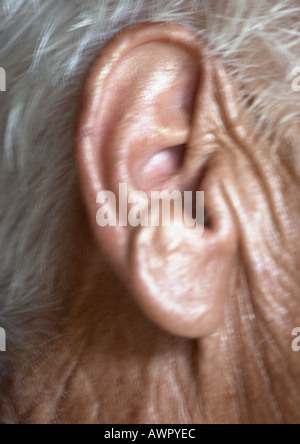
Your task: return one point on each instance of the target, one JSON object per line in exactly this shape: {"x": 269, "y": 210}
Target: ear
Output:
{"x": 147, "y": 114}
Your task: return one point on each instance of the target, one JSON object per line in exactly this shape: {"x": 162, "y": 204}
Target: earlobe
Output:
{"x": 182, "y": 278}
{"x": 146, "y": 111}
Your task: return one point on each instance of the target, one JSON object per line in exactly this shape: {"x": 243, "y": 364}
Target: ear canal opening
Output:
{"x": 208, "y": 222}
{"x": 179, "y": 151}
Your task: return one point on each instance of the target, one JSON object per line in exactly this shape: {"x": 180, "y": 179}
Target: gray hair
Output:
{"x": 46, "y": 48}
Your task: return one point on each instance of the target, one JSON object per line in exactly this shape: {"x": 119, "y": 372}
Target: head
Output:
{"x": 178, "y": 96}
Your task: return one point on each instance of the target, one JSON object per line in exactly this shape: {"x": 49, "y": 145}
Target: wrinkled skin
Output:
{"x": 112, "y": 364}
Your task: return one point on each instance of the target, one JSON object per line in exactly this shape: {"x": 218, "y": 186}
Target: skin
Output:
{"x": 221, "y": 354}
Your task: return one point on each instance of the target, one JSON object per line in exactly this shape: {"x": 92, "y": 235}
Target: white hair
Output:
{"x": 46, "y": 48}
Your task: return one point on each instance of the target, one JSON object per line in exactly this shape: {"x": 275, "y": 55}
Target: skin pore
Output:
{"x": 112, "y": 361}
